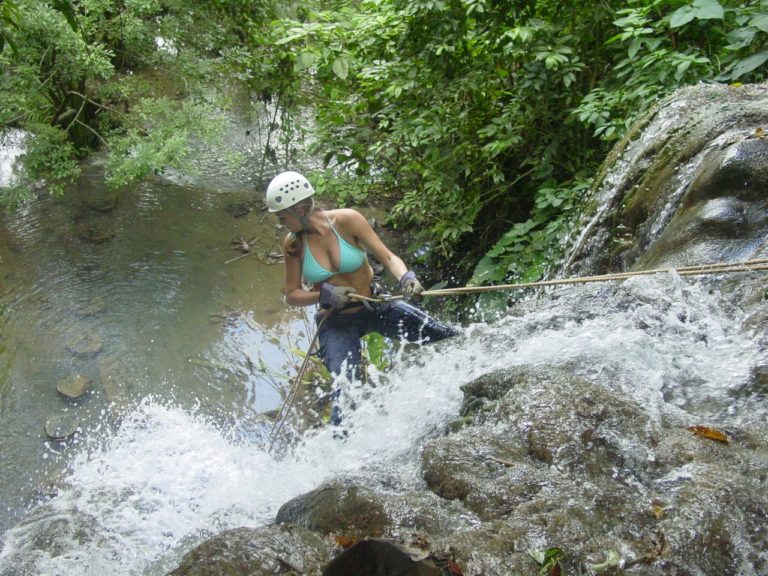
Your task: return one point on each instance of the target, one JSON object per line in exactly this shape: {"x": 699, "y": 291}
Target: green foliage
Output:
{"x": 50, "y": 154}
{"x": 662, "y": 45}
{"x": 9, "y": 14}
{"x": 139, "y": 151}
{"x": 439, "y": 99}
{"x": 549, "y": 561}
{"x": 482, "y": 117}
{"x": 376, "y": 351}
{"x": 530, "y": 249}
{"x": 78, "y": 69}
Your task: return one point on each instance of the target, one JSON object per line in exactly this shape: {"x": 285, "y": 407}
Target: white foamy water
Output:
{"x": 167, "y": 478}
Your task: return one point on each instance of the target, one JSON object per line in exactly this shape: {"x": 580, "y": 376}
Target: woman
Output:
{"x": 326, "y": 262}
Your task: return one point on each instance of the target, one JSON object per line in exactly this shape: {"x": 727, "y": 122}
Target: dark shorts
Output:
{"x": 340, "y": 335}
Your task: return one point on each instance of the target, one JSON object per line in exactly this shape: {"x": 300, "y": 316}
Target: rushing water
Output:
{"x": 137, "y": 497}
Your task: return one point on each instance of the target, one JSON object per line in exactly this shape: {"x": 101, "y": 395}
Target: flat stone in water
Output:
{"x": 95, "y": 307}
{"x": 74, "y": 386}
{"x": 61, "y": 426}
{"x": 102, "y": 203}
{"x": 95, "y": 233}
{"x": 85, "y": 345}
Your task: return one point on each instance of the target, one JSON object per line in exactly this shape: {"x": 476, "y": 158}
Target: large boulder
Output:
{"x": 687, "y": 185}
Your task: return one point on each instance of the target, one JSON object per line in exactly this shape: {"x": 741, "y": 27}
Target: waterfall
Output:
{"x": 166, "y": 478}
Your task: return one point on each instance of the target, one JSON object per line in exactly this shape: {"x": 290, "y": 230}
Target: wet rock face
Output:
{"x": 263, "y": 552}
{"x": 689, "y": 185}
{"x": 564, "y": 461}
{"x": 348, "y": 510}
{"x": 723, "y": 216}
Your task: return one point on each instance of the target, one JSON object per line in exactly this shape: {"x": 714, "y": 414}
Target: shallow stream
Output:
{"x": 164, "y": 307}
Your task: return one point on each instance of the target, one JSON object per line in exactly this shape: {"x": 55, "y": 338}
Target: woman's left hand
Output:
{"x": 411, "y": 286}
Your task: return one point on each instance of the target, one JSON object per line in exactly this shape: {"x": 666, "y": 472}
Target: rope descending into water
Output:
{"x": 282, "y": 415}
{"x": 720, "y": 268}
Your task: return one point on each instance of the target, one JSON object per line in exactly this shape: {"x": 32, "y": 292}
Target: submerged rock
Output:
{"x": 74, "y": 386}
{"x": 117, "y": 384}
{"x": 102, "y": 202}
{"x": 61, "y": 426}
{"x": 96, "y": 306}
{"x": 86, "y": 345}
{"x": 95, "y": 232}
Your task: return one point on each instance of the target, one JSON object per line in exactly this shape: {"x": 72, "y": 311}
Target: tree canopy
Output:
{"x": 482, "y": 120}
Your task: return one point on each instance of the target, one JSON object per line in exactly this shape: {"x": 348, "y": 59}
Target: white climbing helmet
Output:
{"x": 286, "y": 189}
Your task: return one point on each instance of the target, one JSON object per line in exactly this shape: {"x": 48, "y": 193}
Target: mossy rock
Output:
{"x": 74, "y": 386}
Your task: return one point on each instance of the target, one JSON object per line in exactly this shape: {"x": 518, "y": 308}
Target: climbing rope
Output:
{"x": 720, "y": 268}
{"x": 282, "y": 415}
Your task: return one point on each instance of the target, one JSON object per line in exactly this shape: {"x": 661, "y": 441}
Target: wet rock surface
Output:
{"x": 256, "y": 552}
{"x": 549, "y": 459}
{"x": 95, "y": 232}
{"x": 690, "y": 187}
{"x": 86, "y": 345}
{"x": 102, "y": 202}
{"x": 61, "y": 426}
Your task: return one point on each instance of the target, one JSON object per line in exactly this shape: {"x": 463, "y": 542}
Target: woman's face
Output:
{"x": 289, "y": 219}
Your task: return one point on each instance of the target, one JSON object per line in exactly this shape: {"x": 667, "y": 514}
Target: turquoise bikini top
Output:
{"x": 350, "y": 259}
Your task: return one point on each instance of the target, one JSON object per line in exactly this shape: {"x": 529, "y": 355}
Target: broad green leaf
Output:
{"x": 760, "y": 22}
{"x": 306, "y": 59}
{"x": 681, "y": 17}
{"x": 708, "y": 10}
{"x": 341, "y": 67}
{"x": 68, "y": 10}
{"x": 741, "y": 37}
{"x": 746, "y": 65}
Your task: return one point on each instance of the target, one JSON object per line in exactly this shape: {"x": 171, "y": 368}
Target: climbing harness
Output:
{"x": 381, "y": 296}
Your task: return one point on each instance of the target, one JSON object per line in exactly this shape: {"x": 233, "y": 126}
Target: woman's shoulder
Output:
{"x": 344, "y": 213}
{"x": 347, "y": 217}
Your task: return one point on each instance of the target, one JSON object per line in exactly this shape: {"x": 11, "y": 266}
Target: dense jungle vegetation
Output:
{"x": 482, "y": 120}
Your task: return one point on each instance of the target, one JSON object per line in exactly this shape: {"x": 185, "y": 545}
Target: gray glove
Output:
{"x": 410, "y": 286}
{"x": 335, "y": 296}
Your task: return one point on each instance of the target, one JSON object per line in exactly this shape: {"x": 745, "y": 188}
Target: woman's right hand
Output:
{"x": 335, "y": 297}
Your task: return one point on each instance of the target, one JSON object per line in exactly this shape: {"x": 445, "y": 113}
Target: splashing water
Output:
{"x": 167, "y": 478}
